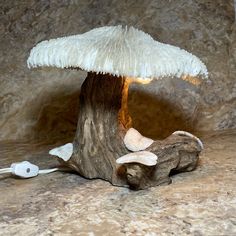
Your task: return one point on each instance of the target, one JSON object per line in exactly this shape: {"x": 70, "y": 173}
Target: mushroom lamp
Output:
{"x": 114, "y": 57}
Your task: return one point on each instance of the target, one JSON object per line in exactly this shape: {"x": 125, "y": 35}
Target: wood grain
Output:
{"x": 103, "y": 121}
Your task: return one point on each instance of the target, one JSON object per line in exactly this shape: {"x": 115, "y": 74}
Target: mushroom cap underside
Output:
{"x": 143, "y": 157}
{"x": 134, "y": 141}
{"x": 117, "y": 50}
{"x": 64, "y": 152}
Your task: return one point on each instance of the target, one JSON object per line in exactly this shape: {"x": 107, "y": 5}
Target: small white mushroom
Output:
{"x": 180, "y": 132}
{"x": 64, "y": 152}
{"x": 134, "y": 141}
{"x": 144, "y": 157}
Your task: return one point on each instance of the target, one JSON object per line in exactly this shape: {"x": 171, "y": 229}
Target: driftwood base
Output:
{"x": 102, "y": 124}
{"x": 175, "y": 154}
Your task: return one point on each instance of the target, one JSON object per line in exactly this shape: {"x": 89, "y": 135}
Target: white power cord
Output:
{"x": 48, "y": 171}
{"x": 6, "y": 170}
{"x": 26, "y": 169}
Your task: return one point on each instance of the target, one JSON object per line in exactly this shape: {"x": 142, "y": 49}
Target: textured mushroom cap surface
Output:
{"x": 117, "y": 50}
{"x": 64, "y": 152}
{"x": 143, "y": 157}
{"x": 134, "y": 141}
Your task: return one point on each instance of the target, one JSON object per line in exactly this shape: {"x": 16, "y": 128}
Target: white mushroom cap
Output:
{"x": 117, "y": 50}
{"x": 180, "y": 132}
{"x": 64, "y": 152}
{"x": 143, "y": 157}
{"x": 134, "y": 141}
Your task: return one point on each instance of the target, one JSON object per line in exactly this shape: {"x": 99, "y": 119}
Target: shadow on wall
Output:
{"x": 157, "y": 117}
{"x": 154, "y": 117}
{"x": 58, "y": 118}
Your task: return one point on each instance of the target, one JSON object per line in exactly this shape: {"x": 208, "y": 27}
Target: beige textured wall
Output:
{"x": 43, "y": 103}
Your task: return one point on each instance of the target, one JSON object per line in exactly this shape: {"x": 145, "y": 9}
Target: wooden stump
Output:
{"x": 175, "y": 154}
{"x": 102, "y": 123}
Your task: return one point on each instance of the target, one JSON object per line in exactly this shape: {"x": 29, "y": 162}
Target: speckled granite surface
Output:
{"x": 202, "y": 202}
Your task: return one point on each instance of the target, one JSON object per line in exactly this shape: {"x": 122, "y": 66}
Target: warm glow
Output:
{"x": 191, "y": 79}
{"x": 124, "y": 117}
{"x": 139, "y": 80}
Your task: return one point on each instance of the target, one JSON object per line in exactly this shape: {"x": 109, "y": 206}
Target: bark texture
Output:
{"x": 175, "y": 154}
{"x": 102, "y": 124}
{"x": 103, "y": 120}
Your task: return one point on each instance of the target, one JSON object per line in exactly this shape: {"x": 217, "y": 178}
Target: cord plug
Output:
{"x": 24, "y": 169}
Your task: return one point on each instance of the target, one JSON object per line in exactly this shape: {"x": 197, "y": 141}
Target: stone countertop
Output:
{"x": 202, "y": 202}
